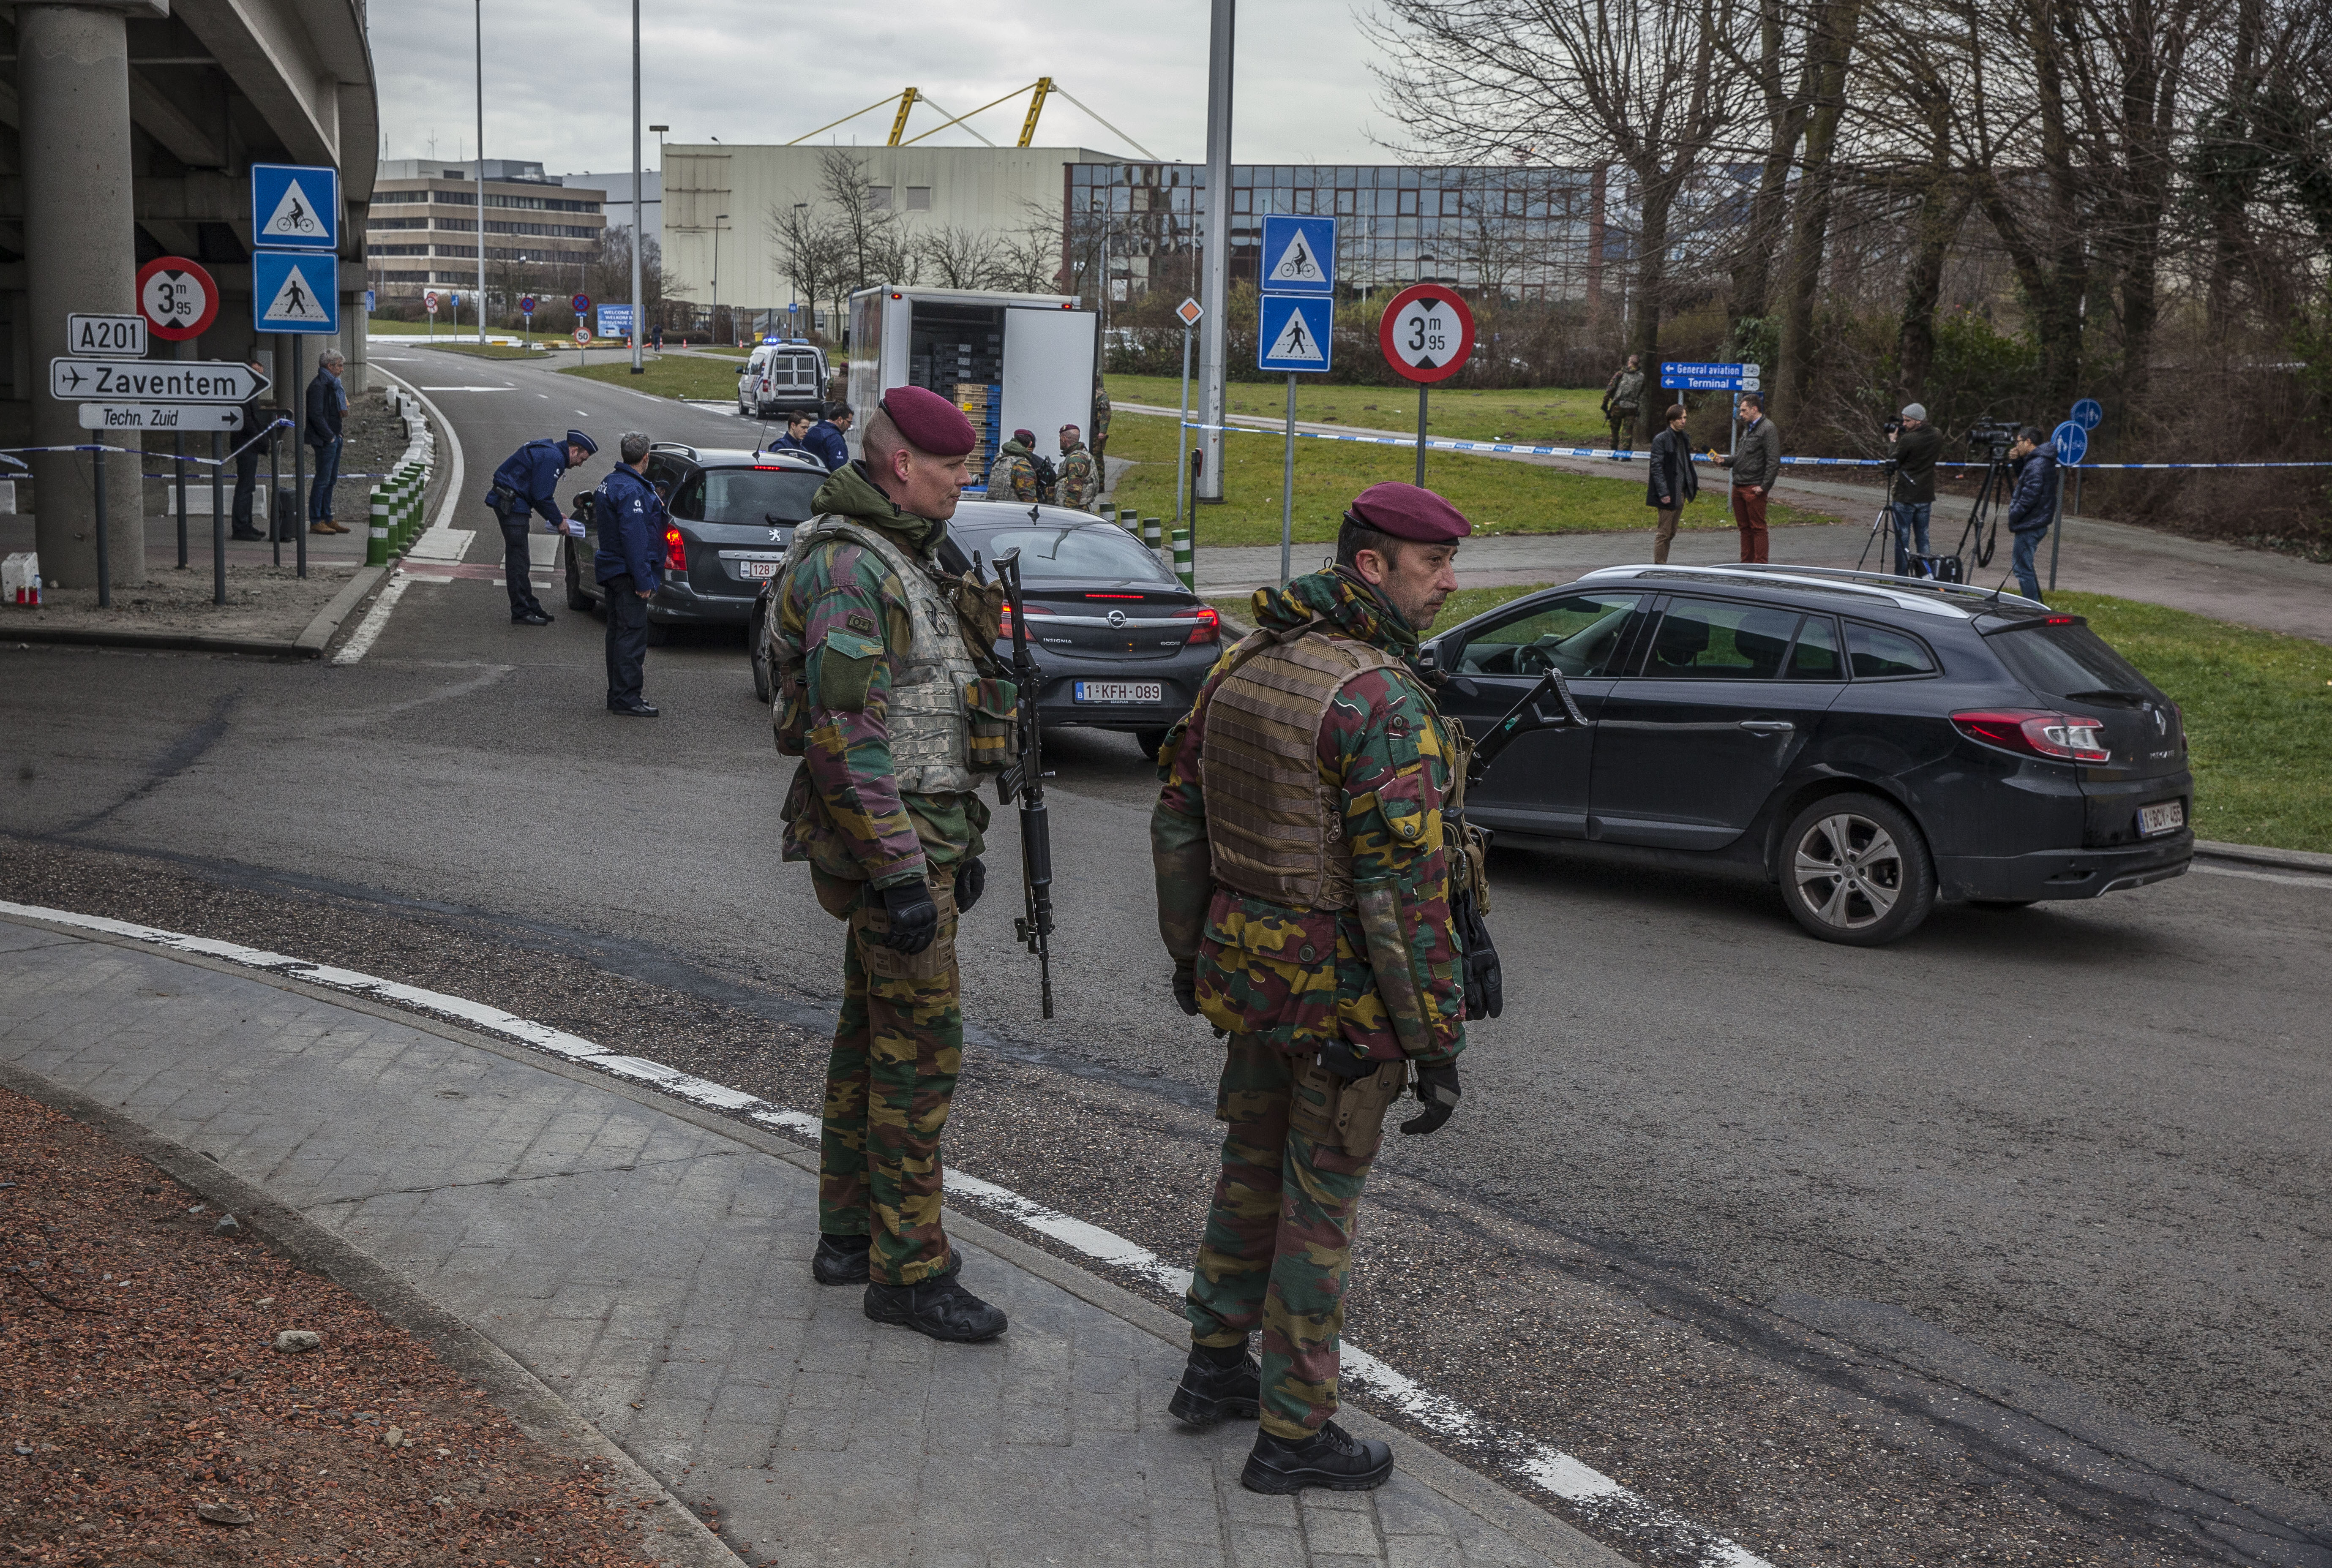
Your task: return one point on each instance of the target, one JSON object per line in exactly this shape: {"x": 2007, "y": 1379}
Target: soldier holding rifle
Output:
{"x": 888, "y": 689}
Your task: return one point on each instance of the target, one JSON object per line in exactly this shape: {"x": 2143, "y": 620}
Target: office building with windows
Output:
{"x": 422, "y": 230}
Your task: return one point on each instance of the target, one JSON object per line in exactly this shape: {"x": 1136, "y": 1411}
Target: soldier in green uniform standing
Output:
{"x": 1101, "y": 431}
{"x": 1012, "y": 477}
{"x": 1623, "y": 400}
{"x": 1079, "y": 485}
{"x": 1303, "y": 864}
{"x": 888, "y": 690}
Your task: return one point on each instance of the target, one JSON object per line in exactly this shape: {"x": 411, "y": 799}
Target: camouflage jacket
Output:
{"x": 1302, "y": 979}
{"x": 1101, "y": 413}
{"x": 845, "y": 813}
{"x": 1080, "y": 484}
{"x": 1012, "y": 477}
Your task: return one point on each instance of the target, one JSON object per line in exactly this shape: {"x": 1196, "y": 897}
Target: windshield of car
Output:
{"x": 1579, "y": 634}
{"x": 2066, "y": 661}
{"x": 1096, "y": 551}
{"x": 750, "y": 495}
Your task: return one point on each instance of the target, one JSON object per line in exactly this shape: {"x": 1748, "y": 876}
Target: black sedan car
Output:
{"x": 1122, "y": 644}
{"x": 1872, "y": 745}
{"x": 734, "y": 512}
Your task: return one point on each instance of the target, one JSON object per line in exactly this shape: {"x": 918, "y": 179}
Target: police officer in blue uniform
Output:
{"x": 528, "y": 481}
{"x": 827, "y": 440}
{"x": 631, "y": 518}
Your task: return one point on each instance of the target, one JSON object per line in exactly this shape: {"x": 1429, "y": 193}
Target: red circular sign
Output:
{"x": 430, "y": 299}
{"x": 178, "y": 299}
{"x": 1426, "y": 332}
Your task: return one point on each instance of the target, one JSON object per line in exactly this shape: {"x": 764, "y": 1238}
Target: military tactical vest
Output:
{"x": 930, "y": 719}
{"x": 1275, "y": 828}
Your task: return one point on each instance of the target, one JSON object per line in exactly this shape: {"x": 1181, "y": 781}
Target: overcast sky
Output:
{"x": 558, "y": 75}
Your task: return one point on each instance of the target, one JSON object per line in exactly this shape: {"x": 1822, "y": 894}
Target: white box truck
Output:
{"x": 1020, "y": 361}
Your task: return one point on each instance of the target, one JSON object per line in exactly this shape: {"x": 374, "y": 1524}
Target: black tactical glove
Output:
{"x": 1186, "y": 988}
{"x": 970, "y": 882}
{"x": 1485, "y": 987}
{"x": 914, "y": 918}
{"x": 1438, "y": 1091}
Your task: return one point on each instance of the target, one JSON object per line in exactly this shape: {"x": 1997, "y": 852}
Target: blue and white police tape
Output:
{"x": 6, "y": 452}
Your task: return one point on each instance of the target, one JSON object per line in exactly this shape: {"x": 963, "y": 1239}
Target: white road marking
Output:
{"x": 468, "y": 389}
{"x": 2264, "y": 876}
{"x": 1602, "y": 1500}
{"x": 375, "y": 618}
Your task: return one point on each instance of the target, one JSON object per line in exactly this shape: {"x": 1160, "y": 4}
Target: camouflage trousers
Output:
{"x": 1279, "y": 1243}
{"x": 897, "y": 1050}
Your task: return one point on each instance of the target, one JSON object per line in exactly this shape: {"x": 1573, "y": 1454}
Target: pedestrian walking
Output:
{"x": 250, "y": 444}
{"x": 1623, "y": 401}
{"x": 1100, "y": 415}
{"x": 2031, "y": 505}
{"x": 879, "y": 692}
{"x": 827, "y": 440}
{"x": 526, "y": 484}
{"x": 1916, "y": 444}
{"x": 1012, "y": 477}
{"x": 1303, "y": 883}
{"x": 1079, "y": 481}
{"x": 1672, "y": 482}
{"x": 656, "y": 337}
{"x": 1755, "y": 465}
{"x": 327, "y": 408}
{"x": 631, "y": 518}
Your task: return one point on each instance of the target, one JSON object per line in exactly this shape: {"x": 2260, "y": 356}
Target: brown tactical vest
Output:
{"x": 1275, "y": 830}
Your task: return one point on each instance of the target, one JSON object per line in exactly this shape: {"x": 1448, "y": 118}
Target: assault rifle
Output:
{"x": 1523, "y": 719}
{"x": 1024, "y": 781}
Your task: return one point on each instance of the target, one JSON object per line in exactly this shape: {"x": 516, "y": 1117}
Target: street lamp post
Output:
{"x": 639, "y": 331}
{"x": 717, "y": 220}
{"x": 478, "y": 11}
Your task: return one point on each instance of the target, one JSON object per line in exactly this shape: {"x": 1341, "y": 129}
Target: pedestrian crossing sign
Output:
{"x": 1297, "y": 333}
{"x": 295, "y": 207}
{"x": 1299, "y": 254}
{"x": 295, "y": 293}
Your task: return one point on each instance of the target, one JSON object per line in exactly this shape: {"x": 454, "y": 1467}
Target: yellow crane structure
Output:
{"x": 1036, "y": 107}
{"x": 899, "y": 120}
{"x": 1043, "y": 88}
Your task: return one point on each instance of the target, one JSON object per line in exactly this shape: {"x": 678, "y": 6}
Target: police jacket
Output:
{"x": 631, "y": 518}
{"x": 826, "y": 442}
{"x": 527, "y": 480}
{"x": 2033, "y": 505}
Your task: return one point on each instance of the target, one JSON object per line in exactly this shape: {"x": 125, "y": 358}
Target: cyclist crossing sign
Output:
{"x": 295, "y": 207}
{"x": 1299, "y": 254}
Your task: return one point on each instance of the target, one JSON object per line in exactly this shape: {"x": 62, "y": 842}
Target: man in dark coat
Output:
{"x": 326, "y": 411}
{"x": 1671, "y": 482}
{"x": 827, "y": 440}
{"x": 2032, "y": 506}
{"x": 1916, "y": 446}
{"x": 1755, "y": 465}
{"x": 528, "y": 482}
{"x": 631, "y": 518}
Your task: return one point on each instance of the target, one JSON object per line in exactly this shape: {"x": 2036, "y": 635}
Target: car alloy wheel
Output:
{"x": 1855, "y": 871}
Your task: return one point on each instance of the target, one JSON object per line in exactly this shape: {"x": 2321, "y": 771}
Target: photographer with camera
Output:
{"x": 1915, "y": 444}
{"x": 2032, "y": 506}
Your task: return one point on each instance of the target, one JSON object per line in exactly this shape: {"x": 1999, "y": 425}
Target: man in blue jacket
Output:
{"x": 2032, "y": 506}
{"x": 631, "y": 518}
{"x": 528, "y": 481}
{"x": 826, "y": 438}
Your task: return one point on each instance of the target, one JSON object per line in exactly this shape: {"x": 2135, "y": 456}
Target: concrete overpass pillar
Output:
{"x": 72, "y": 83}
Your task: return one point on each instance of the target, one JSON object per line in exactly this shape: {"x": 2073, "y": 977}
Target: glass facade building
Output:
{"x": 1520, "y": 233}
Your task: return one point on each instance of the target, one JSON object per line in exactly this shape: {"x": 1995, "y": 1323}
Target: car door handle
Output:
{"x": 1767, "y": 725}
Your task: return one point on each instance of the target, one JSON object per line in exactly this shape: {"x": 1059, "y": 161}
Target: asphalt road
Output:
{"x": 2004, "y": 1244}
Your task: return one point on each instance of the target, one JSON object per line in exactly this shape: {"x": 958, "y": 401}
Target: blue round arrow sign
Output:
{"x": 2072, "y": 442}
{"x": 2089, "y": 414}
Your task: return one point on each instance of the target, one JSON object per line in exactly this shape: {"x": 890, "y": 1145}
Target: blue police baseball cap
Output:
{"x": 577, "y": 438}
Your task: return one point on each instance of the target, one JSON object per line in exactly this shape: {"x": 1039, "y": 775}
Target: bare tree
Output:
{"x": 811, "y": 247}
{"x": 870, "y": 247}
{"x": 958, "y": 258}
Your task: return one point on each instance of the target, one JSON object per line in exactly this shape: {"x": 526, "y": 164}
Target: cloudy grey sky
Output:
{"x": 559, "y": 74}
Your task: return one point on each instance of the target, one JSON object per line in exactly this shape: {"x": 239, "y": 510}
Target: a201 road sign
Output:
{"x": 107, "y": 336}
{"x": 1427, "y": 333}
{"x": 215, "y": 381}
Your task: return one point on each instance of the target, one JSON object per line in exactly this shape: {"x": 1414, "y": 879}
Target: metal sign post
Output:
{"x": 218, "y": 521}
{"x": 1189, "y": 313}
{"x": 1299, "y": 330}
{"x": 2072, "y": 439}
{"x": 1427, "y": 334}
{"x": 2089, "y": 414}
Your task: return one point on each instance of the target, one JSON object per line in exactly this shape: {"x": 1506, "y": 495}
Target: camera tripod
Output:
{"x": 1883, "y": 525}
{"x": 1999, "y": 483}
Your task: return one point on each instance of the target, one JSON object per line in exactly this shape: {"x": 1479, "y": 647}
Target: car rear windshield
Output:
{"x": 1099, "y": 551}
{"x": 750, "y": 495}
{"x": 2065, "y": 660}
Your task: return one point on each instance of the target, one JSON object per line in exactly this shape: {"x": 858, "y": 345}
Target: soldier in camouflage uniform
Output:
{"x": 888, "y": 690}
{"x": 1303, "y": 871}
{"x": 1623, "y": 400}
{"x": 1080, "y": 481}
{"x": 1101, "y": 426}
{"x": 1012, "y": 477}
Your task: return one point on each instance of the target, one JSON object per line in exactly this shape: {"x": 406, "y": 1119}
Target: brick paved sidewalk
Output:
{"x": 650, "y": 1262}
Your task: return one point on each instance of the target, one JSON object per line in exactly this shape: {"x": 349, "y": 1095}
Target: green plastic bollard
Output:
{"x": 1108, "y": 511}
{"x": 401, "y": 530}
{"x": 1183, "y": 567}
{"x": 377, "y": 543}
{"x": 1150, "y": 535}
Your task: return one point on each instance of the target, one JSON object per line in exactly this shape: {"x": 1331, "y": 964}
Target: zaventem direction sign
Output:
{"x": 154, "y": 381}
{"x": 178, "y": 416}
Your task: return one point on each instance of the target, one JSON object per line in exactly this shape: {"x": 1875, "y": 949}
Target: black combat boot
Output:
{"x": 941, "y": 1308}
{"x": 1330, "y": 1458}
{"x": 840, "y": 1260}
{"x": 1217, "y": 1384}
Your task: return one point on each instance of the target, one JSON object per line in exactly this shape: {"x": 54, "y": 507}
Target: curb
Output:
{"x": 308, "y": 644}
{"x": 537, "y": 1411}
{"x": 2258, "y": 855}
{"x": 1560, "y": 1542}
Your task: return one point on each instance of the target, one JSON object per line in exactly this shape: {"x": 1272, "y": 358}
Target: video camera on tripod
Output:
{"x": 1990, "y": 442}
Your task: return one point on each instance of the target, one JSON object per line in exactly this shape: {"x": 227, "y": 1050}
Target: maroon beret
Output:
{"x": 930, "y": 422}
{"x": 1025, "y": 437}
{"x": 1408, "y": 512}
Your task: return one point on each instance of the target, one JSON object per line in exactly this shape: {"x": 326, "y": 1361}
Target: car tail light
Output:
{"x": 675, "y": 551}
{"x": 1004, "y": 629}
{"x": 2036, "y": 732}
{"x": 1209, "y": 626}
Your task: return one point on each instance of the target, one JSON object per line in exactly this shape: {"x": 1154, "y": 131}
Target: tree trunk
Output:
{"x": 1785, "y": 116}
{"x": 1835, "y": 31}
{"x": 1942, "y": 208}
{"x": 1651, "y": 282}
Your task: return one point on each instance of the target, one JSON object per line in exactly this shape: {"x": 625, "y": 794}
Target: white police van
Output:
{"x": 782, "y": 378}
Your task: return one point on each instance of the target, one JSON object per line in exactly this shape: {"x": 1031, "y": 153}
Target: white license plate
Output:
{"x": 2161, "y": 817}
{"x": 753, "y": 571}
{"x": 1121, "y": 691}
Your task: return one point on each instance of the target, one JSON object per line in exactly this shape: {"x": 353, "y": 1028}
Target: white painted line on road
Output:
{"x": 1604, "y": 1500}
{"x": 375, "y": 618}
{"x": 2264, "y": 876}
{"x": 467, "y": 389}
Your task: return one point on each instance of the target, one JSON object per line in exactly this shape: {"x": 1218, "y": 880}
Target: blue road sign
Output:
{"x": 2089, "y": 414}
{"x": 1299, "y": 254}
{"x": 295, "y": 207}
{"x": 1298, "y": 334}
{"x": 2072, "y": 442}
{"x": 615, "y": 320}
{"x": 1712, "y": 383}
{"x": 1700, "y": 368}
{"x": 370, "y": 302}
{"x": 295, "y": 293}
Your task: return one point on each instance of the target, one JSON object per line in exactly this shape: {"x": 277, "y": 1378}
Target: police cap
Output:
{"x": 930, "y": 422}
{"x": 577, "y": 438}
{"x": 1408, "y": 512}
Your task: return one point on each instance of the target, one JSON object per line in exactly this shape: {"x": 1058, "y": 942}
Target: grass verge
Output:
{"x": 1463, "y": 606}
{"x": 673, "y": 376}
{"x": 1497, "y": 495}
{"x": 1541, "y": 415}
